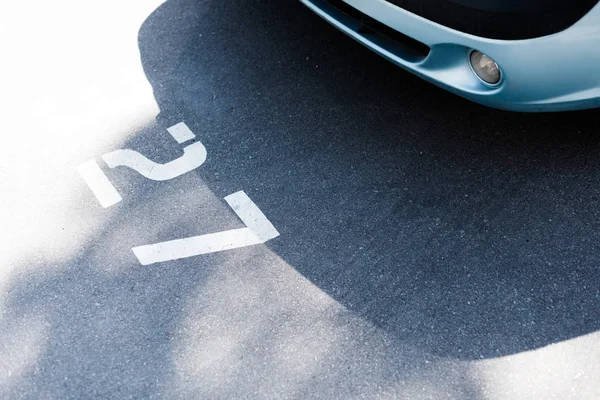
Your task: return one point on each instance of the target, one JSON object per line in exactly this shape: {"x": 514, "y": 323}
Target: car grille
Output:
{"x": 382, "y": 35}
{"x": 501, "y": 19}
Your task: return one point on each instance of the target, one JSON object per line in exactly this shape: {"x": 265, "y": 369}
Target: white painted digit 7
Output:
{"x": 258, "y": 230}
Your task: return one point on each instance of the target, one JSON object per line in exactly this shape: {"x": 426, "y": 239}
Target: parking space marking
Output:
{"x": 97, "y": 181}
{"x": 181, "y": 132}
{"x": 258, "y": 230}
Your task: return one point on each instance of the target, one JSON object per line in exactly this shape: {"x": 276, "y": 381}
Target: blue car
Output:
{"x": 520, "y": 55}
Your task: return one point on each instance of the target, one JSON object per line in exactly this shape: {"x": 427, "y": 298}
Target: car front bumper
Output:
{"x": 558, "y": 72}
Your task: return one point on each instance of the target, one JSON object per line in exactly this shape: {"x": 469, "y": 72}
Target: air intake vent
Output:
{"x": 501, "y": 19}
{"x": 382, "y": 35}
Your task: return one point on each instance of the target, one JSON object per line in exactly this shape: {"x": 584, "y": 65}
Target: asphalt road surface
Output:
{"x": 428, "y": 248}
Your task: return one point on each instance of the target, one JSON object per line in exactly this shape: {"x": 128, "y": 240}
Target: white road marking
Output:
{"x": 259, "y": 229}
{"x": 194, "y": 156}
{"x": 181, "y": 132}
{"x": 97, "y": 181}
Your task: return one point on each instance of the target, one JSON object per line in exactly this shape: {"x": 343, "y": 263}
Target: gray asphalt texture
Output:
{"x": 424, "y": 238}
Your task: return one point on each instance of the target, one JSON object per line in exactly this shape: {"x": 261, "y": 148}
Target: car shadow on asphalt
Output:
{"x": 467, "y": 231}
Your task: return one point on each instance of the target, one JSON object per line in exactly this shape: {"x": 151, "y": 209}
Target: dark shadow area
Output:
{"x": 234, "y": 324}
{"x": 465, "y": 231}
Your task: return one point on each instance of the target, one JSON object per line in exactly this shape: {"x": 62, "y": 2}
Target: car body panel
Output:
{"x": 550, "y": 73}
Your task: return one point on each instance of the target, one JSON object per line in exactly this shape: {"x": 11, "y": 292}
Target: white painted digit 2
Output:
{"x": 193, "y": 156}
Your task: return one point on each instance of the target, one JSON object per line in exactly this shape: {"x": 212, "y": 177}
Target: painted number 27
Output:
{"x": 258, "y": 228}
